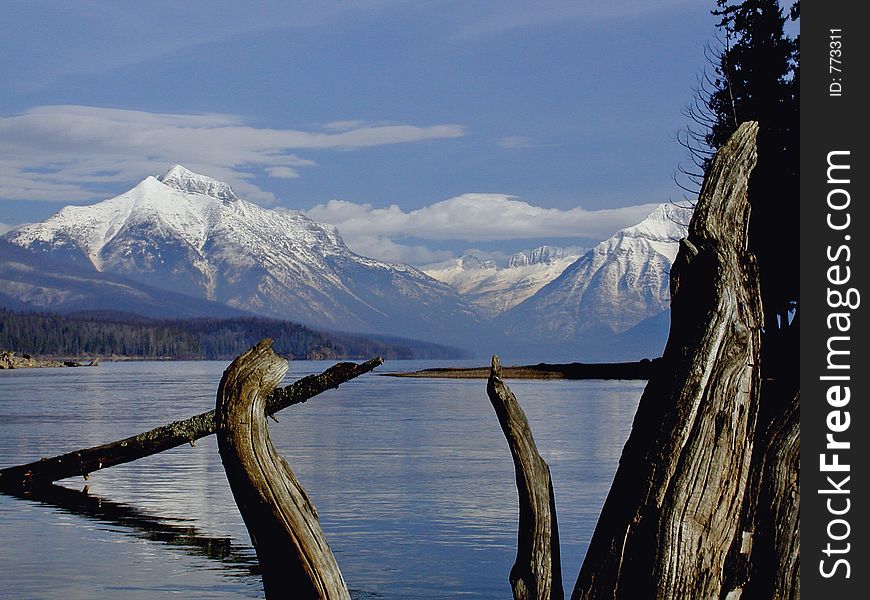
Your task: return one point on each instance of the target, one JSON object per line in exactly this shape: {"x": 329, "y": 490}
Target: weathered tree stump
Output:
{"x": 295, "y": 558}
{"x": 779, "y": 519}
{"x": 764, "y": 563}
{"x": 674, "y": 508}
{"x": 537, "y": 571}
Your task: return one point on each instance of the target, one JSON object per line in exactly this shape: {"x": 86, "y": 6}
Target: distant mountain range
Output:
{"x": 185, "y": 245}
{"x": 494, "y": 289}
{"x": 613, "y": 287}
{"x": 191, "y": 234}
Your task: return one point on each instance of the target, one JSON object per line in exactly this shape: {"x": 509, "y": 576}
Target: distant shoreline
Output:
{"x": 623, "y": 370}
{"x": 9, "y": 360}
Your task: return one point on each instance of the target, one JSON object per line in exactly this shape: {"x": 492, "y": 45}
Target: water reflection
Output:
{"x": 412, "y": 479}
{"x": 180, "y": 533}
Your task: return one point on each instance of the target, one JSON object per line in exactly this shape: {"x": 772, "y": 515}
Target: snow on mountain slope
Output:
{"x": 494, "y": 290}
{"x": 34, "y": 281}
{"x": 192, "y": 234}
{"x": 613, "y": 287}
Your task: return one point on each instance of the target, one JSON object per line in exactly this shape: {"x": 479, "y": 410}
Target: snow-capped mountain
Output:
{"x": 493, "y": 289}
{"x": 34, "y": 281}
{"x": 616, "y": 285}
{"x": 189, "y": 233}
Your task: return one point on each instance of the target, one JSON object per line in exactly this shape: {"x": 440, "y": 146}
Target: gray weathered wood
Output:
{"x": 673, "y": 509}
{"x": 537, "y": 571}
{"x": 765, "y": 558}
{"x": 295, "y": 558}
{"x": 781, "y": 494}
{"x": 88, "y": 460}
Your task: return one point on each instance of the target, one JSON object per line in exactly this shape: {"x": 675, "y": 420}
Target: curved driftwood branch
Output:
{"x": 537, "y": 571}
{"x": 294, "y": 556}
{"x": 674, "y": 508}
{"x": 165, "y": 437}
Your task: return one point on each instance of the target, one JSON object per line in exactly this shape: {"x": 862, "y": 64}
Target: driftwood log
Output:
{"x": 87, "y": 460}
{"x": 673, "y": 511}
{"x": 537, "y": 571}
{"x": 295, "y": 559}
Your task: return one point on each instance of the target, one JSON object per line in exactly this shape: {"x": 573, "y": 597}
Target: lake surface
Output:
{"x": 412, "y": 479}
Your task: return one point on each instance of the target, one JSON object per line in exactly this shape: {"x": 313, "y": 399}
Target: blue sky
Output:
{"x": 375, "y": 115}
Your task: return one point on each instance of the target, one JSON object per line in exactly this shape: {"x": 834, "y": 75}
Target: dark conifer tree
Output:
{"x": 755, "y": 78}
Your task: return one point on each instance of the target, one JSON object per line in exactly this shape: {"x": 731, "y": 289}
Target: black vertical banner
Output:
{"x": 835, "y": 225}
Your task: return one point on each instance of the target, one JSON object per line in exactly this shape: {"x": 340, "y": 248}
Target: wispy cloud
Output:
{"x": 4, "y": 228}
{"x": 379, "y": 232}
{"x": 122, "y": 34}
{"x": 487, "y": 18}
{"x": 63, "y": 152}
{"x": 512, "y": 142}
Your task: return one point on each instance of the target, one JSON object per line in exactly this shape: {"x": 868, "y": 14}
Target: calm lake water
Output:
{"x": 412, "y": 479}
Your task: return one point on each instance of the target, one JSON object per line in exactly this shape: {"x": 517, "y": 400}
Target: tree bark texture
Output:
{"x": 165, "y": 437}
{"x": 765, "y": 559}
{"x": 295, "y": 559}
{"x": 778, "y": 521}
{"x": 537, "y": 571}
{"x": 673, "y": 510}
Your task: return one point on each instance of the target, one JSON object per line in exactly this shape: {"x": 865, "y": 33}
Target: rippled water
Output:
{"x": 412, "y": 479}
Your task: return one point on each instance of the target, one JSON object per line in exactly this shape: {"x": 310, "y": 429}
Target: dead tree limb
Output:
{"x": 294, "y": 556}
{"x": 674, "y": 508}
{"x": 165, "y": 437}
{"x": 537, "y": 571}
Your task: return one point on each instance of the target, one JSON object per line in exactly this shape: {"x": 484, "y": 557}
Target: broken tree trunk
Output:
{"x": 165, "y": 437}
{"x": 294, "y": 556}
{"x": 764, "y": 562}
{"x": 776, "y": 573}
{"x": 537, "y": 571}
{"x": 674, "y": 508}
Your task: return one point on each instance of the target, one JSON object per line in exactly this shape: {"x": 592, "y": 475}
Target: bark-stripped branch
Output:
{"x": 295, "y": 558}
{"x": 537, "y": 571}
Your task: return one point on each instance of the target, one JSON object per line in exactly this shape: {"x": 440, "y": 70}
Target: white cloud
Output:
{"x": 383, "y": 232}
{"x": 62, "y": 152}
{"x": 4, "y": 228}
{"x": 344, "y": 125}
{"x": 282, "y": 172}
{"x": 474, "y": 218}
{"x": 383, "y": 248}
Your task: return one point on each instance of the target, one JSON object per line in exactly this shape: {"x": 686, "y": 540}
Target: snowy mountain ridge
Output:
{"x": 192, "y": 234}
{"x": 543, "y": 255}
{"x": 494, "y": 290}
{"x": 181, "y": 179}
{"x": 613, "y": 287}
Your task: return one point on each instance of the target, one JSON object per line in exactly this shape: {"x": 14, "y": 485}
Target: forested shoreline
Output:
{"x": 120, "y": 336}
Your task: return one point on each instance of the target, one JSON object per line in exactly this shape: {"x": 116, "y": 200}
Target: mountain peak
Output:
{"x": 542, "y": 255}
{"x": 184, "y": 180}
{"x": 667, "y": 223}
